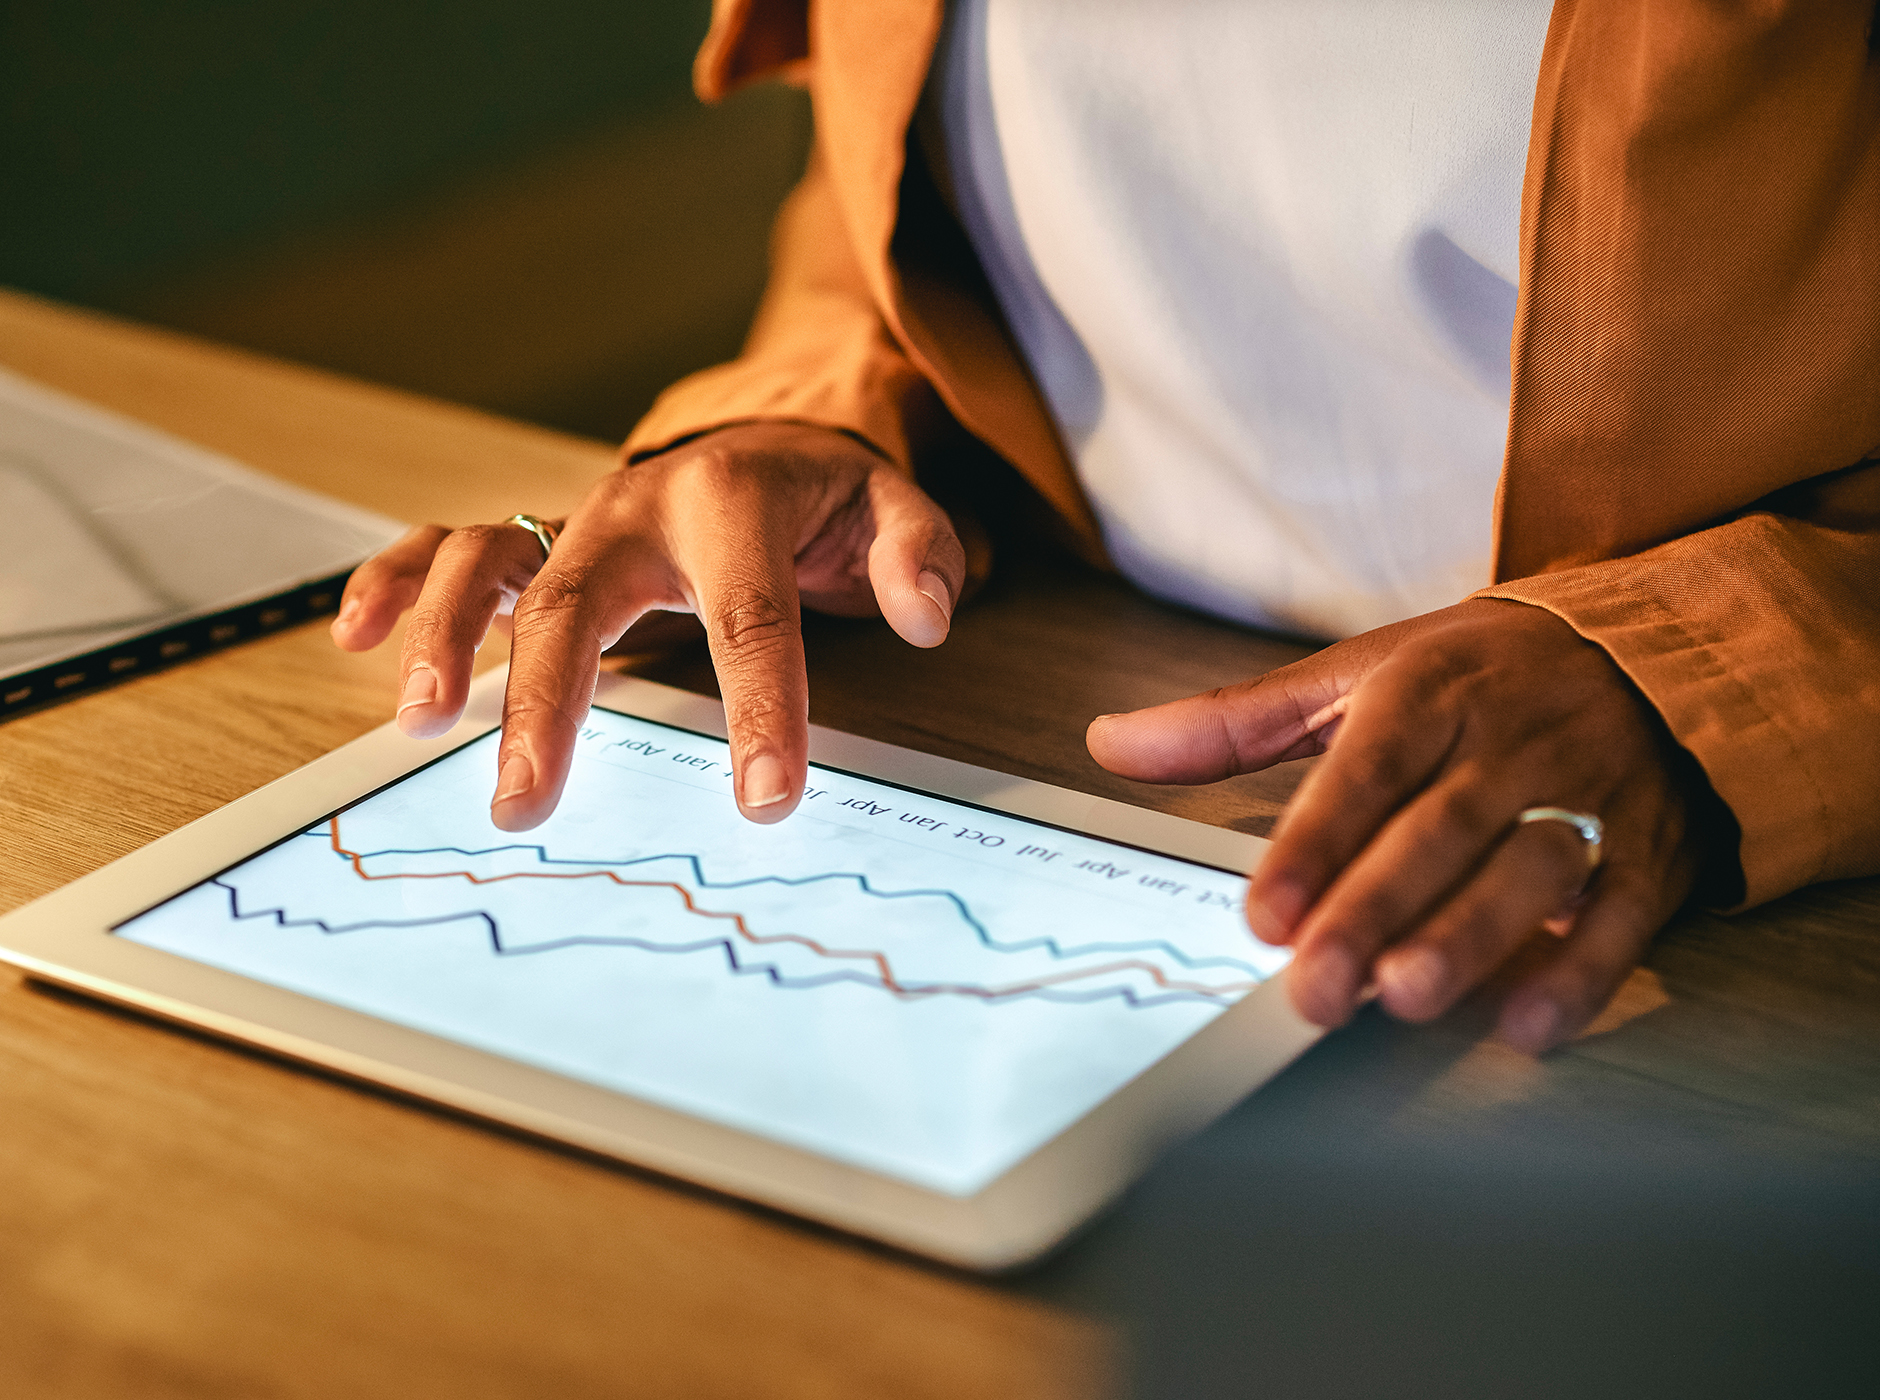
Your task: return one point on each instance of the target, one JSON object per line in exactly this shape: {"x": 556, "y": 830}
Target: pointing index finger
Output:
{"x": 738, "y": 557}
{"x": 753, "y": 625}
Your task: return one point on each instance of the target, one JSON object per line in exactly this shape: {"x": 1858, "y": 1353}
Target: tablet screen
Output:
{"x": 906, "y": 983}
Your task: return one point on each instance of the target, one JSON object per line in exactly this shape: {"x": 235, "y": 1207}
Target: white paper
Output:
{"x": 110, "y": 529}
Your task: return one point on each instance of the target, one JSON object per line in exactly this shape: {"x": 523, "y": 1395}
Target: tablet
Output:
{"x": 950, "y": 1009}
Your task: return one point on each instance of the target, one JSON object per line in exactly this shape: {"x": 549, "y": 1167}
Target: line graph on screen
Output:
{"x": 532, "y": 903}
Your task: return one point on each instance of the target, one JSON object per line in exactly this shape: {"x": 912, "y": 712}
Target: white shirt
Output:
{"x": 1261, "y": 257}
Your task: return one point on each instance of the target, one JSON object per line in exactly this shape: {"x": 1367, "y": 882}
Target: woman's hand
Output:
{"x": 1399, "y": 863}
{"x": 735, "y": 527}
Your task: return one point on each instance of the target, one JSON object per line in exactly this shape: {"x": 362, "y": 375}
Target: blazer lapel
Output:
{"x": 869, "y": 65}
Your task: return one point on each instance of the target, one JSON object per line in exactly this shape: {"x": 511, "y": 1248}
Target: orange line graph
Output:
{"x": 879, "y": 960}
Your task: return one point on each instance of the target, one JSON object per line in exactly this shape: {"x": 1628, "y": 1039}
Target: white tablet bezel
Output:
{"x": 65, "y": 938}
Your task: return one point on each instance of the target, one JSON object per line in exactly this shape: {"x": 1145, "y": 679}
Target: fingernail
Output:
{"x": 1413, "y": 979}
{"x": 420, "y": 688}
{"x": 348, "y": 610}
{"x": 1531, "y": 1025}
{"x": 1274, "y": 909}
{"x": 1325, "y": 984}
{"x": 517, "y": 777}
{"x": 934, "y": 588}
{"x": 765, "y": 782}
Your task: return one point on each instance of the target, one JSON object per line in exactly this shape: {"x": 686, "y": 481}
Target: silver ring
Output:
{"x": 544, "y": 532}
{"x": 1592, "y": 830}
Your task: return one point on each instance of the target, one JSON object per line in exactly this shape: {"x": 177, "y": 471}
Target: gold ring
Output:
{"x": 1592, "y": 830}
{"x": 544, "y": 532}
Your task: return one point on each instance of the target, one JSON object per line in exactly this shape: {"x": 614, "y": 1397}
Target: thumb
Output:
{"x": 1289, "y": 713}
{"x": 916, "y": 563}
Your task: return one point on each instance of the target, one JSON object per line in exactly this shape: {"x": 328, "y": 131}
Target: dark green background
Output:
{"x": 140, "y": 140}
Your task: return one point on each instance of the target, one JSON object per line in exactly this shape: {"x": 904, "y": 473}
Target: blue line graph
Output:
{"x": 738, "y": 966}
{"x": 862, "y": 883}
{"x": 743, "y": 960}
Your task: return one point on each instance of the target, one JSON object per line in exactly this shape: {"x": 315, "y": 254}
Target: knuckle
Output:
{"x": 557, "y": 601}
{"x": 1222, "y": 696}
{"x": 942, "y": 550}
{"x": 479, "y": 555}
{"x": 416, "y": 545}
{"x": 408, "y": 557}
{"x": 473, "y": 536}
{"x": 945, "y": 535}
{"x": 713, "y": 470}
{"x": 553, "y": 594}
{"x": 442, "y": 629}
{"x": 1469, "y": 808}
{"x": 758, "y": 711}
{"x": 1240, "y": 744}
{"x": 754, "y": 620}
{"x": 376, "y": 574}
{"x": 446, "y": 623}
{"x": 427, "y": 631}
{"x": 484, "y": 540}
{"x": 1444, "y": 673}
{"x": 1374, "y": 767}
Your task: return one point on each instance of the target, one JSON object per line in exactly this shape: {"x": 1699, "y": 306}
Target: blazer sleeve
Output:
{"x": 818, "y": 351}
{"x": 1694, "y": 370}
{"x": 1758, "y": 640}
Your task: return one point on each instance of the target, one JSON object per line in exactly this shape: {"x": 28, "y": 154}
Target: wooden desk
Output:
{"x": 182, "y": 1219}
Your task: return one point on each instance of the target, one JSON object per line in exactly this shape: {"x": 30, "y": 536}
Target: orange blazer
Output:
{"x": 1691, "y": 477}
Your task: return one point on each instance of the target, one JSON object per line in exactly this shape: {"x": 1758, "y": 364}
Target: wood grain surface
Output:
{"x": 179, "y": 1218}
